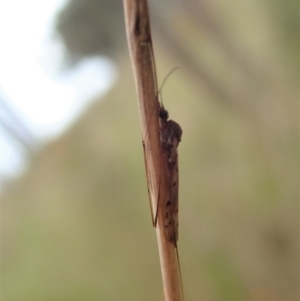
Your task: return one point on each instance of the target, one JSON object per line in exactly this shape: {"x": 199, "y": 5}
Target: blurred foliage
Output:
{"x": 77, "y": 225}
{"x": 91, "y": 27}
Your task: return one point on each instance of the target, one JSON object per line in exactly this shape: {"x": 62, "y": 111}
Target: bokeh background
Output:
{"x": 76, "y": 225}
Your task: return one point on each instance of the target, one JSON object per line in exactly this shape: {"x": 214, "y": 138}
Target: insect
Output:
{"x": 170, "y": 135}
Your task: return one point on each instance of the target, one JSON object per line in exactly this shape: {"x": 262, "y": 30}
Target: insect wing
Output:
{"x": 172, "y": 229}
{"x": 170, "y": 137}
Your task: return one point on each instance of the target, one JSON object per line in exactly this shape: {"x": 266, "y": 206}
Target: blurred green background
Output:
{"x": 77, "y": 225}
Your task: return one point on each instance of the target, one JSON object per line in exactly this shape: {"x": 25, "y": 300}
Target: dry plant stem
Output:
{"x": 140, "y": 46}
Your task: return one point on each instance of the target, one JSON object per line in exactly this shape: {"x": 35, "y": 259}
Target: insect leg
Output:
{"x": 149, "y": 185}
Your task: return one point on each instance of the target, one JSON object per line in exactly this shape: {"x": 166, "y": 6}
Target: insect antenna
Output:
{"x": 164, "y": 81}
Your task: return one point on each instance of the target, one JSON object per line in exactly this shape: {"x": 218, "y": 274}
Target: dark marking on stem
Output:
{"x": 137, "y": 25}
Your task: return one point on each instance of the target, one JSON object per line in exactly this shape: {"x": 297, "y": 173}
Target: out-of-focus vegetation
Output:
{"x": 77, "y": 225}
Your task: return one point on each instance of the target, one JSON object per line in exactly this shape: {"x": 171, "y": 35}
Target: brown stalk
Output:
{"x": 141, "y": 51}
